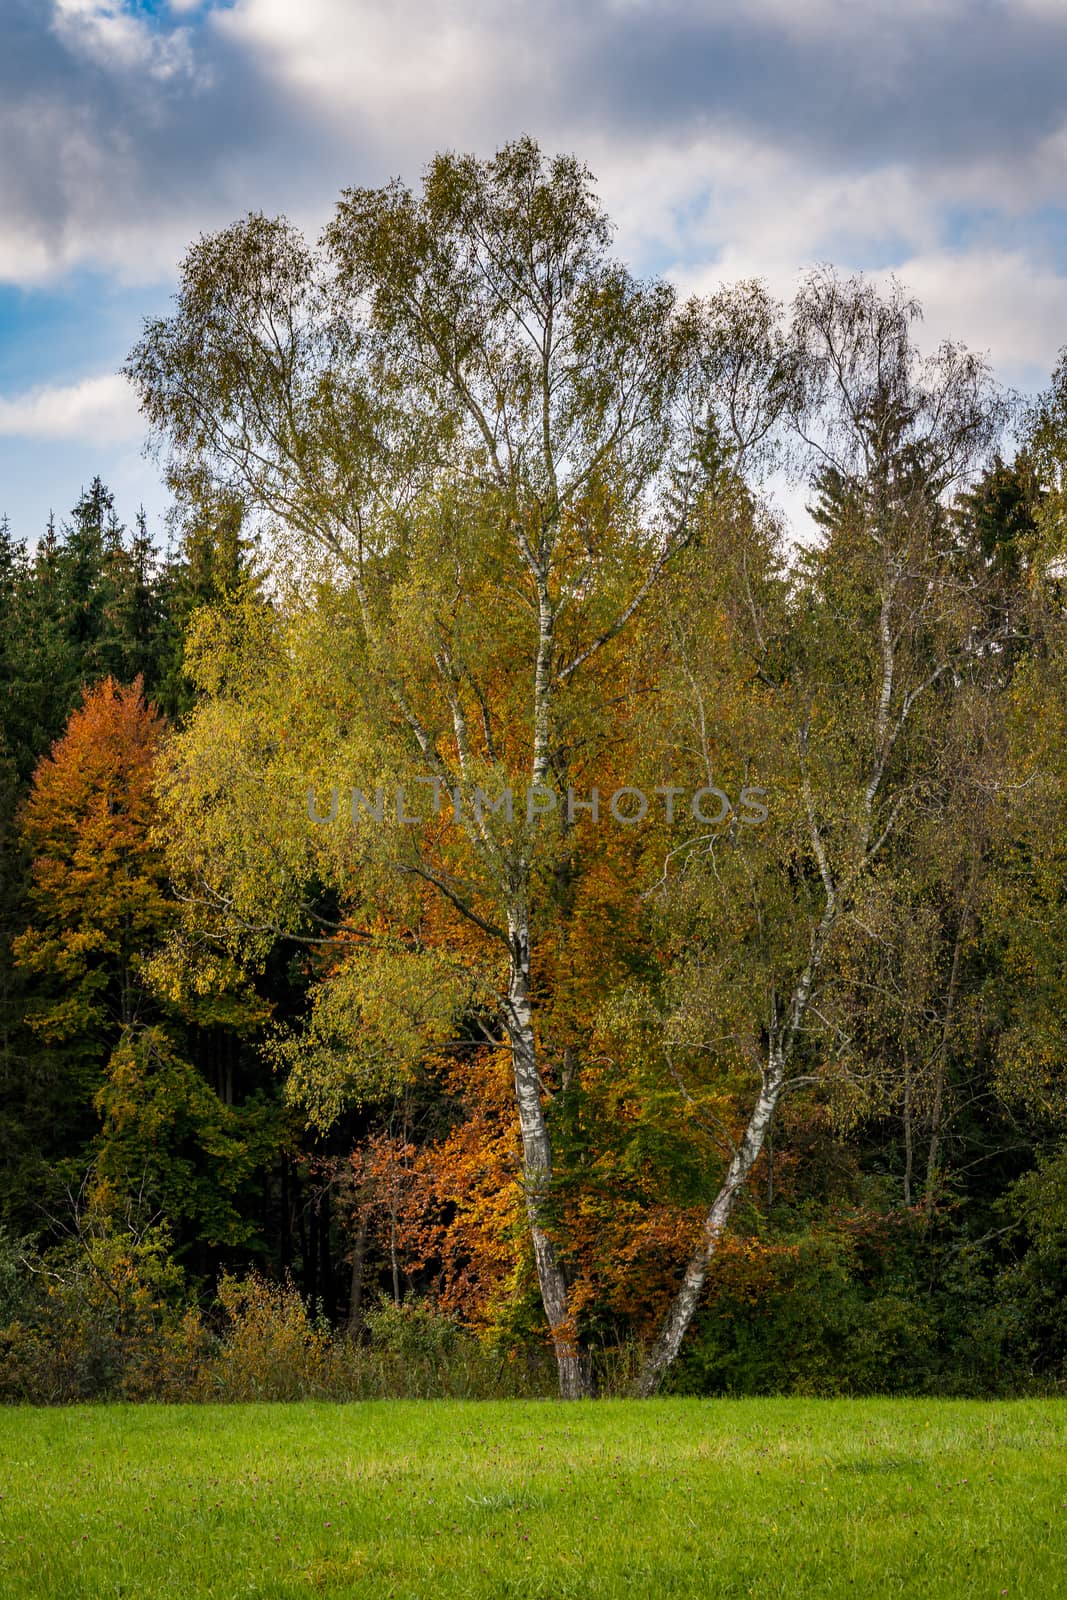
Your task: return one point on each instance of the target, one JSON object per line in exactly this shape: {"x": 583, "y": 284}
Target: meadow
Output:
{"x": 535, "y": 1499}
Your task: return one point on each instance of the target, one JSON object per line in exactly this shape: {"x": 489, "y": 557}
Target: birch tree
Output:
{"x": 487, "y": 440}
{"x": 885, "y": 629}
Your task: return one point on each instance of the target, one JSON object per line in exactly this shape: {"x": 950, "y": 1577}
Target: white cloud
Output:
{"x": 100, "y": 410}
{"x": 114, "y": 37}
{"x": 132, "y": 251}
{"x": 729, "y": 141}
{"x": 707, "y": 198}
{"x": 719, "y": 210}
{"x": 997, "y": 301}
{"x": 408, "y": 75}
{"x": 734, "y": 206}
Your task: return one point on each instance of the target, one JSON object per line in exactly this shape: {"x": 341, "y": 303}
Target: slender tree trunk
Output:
{"x": 783, "y": 1039}
{"x": 680, "y": 1315}
{"x": 537, "y": 1163}
{"x": 285, "y": 1232}
{"x": 311, "y": 1259}
{"x": 394, "y": 1263}
{"x": 536, "y": 1144}
{"x": 227, "y": 1084}
{"x": 355, "y": 1296}
{"x": 909, "y": 1142}
{"x": 937, "y": 1111}
{"x": 299, "y": 1210}
{"x": 325, "y": 1257}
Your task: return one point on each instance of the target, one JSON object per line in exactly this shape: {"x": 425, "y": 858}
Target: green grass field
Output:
{"x": 441, "y": 1499}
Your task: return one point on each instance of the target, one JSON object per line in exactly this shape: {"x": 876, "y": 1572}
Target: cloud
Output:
{"x": 127, "y": 128}
{"x": 729, "y": 140}
{"x": 123, "y": 134}
{"x": 114, "y": 38}
{"x": 99, "y": 411}
{"x": 998, "y": 301}
{"x": 946, "y": 80}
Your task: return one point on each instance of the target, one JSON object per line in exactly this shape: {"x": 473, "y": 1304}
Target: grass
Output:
{"x": 529, "y": 1499}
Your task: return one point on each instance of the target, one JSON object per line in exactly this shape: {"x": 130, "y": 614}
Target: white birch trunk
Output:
{"x": 537, "y": 1161}
{"x": 783, "y": 1039}
{"x": 680, "y": 1315}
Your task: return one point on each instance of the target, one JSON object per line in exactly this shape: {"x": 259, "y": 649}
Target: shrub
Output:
{"x": 886, "y": 1306}
{"x": 271, "y": 1349}
{"x": 102, "y": 1315}
{"x": 414, "y": 1330}
{"x": 15, "y": 1282}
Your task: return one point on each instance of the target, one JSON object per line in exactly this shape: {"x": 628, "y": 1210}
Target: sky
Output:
{"x": 922, "y": 137}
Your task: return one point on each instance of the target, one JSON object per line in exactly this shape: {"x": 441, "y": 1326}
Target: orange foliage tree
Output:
{"x": 98, "y": 898}
{"x": 100, "y": 907}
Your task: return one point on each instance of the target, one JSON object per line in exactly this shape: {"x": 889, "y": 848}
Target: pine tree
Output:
{"x": 212, "y": 562}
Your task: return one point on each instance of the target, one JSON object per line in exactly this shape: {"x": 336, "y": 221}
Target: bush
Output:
{"x": 100, "y": 1316}
{"x": 1031, "y": 1301}
{"x": 271, "y": 1349}
{"x": 15, "y": 1281}
{"x": 414, "y": 1330}
{"x": 888, "y": 1306}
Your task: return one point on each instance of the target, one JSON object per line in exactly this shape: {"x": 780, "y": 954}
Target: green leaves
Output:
{"x": 373, "y": 1020}
{"x": 166, "y": 1133}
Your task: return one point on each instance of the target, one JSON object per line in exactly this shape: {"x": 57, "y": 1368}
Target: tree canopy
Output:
{"x": 490, "y": 857}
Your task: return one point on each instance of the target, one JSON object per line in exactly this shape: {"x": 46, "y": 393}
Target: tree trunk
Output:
{"x": 325, "y": 1258}
{"x": 537, "y": 1164}
{"x": 394, "y": 1262}
{"x": 909, "y": 1147}
{"x": 311, "y": 1257}
{"x": 933, "y": 1160}
{"x": 680, "y": 1315}
{"x": 285, "y": 1232}
{"x": 355, "y": 1297}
